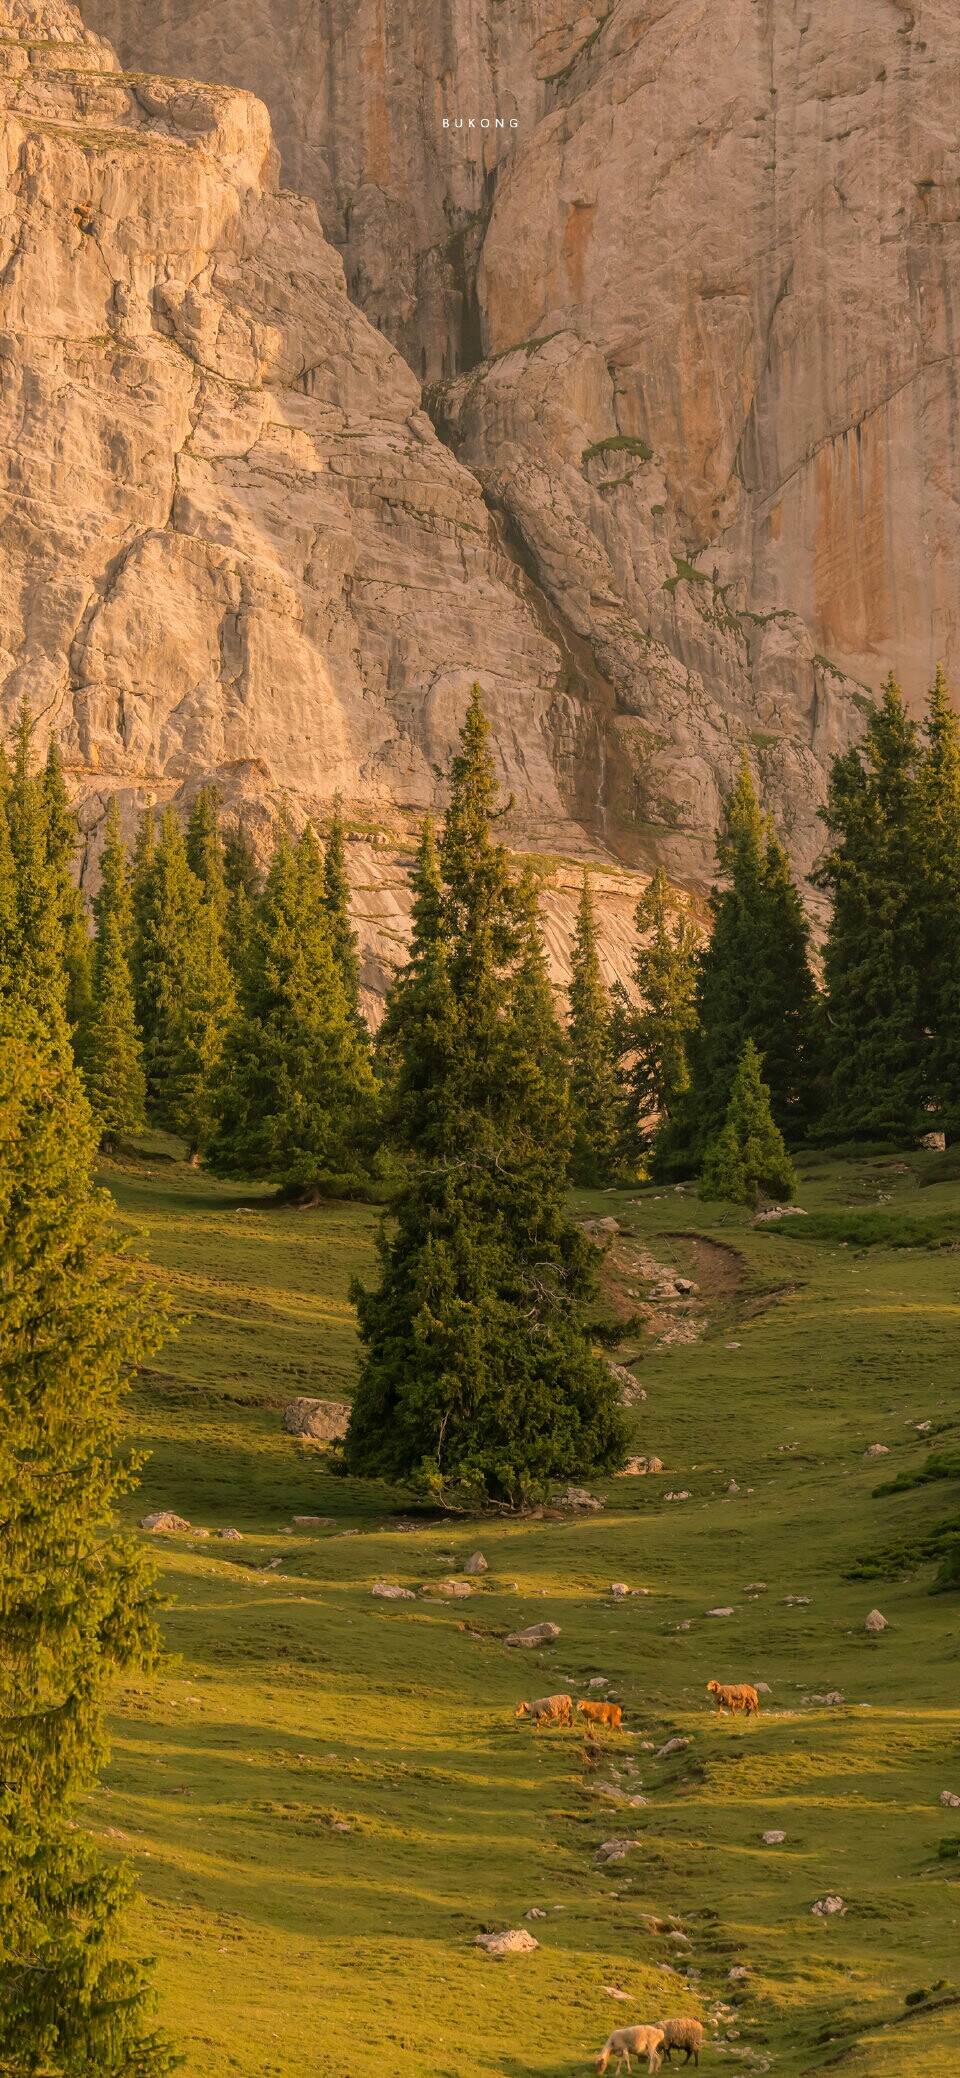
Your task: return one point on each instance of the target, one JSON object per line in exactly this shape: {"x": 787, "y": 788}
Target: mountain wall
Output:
{"x": 749, "y": 208}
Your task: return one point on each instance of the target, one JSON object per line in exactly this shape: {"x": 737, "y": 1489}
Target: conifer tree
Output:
{"x": 478, "y": 1375}
{"x": 205, "y": 851}
{"x": 873, "y": 957}
{"x": 336, "y": 891}
{"x": 186, "y": 994}
{"x": 295, "y": 1096}
{"x": 38, "y": 950}
{"x": 748, "y": 1160}
{"x": 754, "y": 979}
{"x": 242, "y": 875}
{"x": 654, "y": 1039}
{"x": 113, "y": 1066}
{"x": 937, "y": 901}
{"x": 62, "y": 837}
{"x": 595, "y": 1086}
{"x": 75, "y": 1597}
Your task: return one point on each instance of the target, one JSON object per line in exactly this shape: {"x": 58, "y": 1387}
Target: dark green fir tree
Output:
{"x": 113, "y": 1065}
{"x": 186, "y": 993}
{"x": 38, "y": 948}
{"x": 242, "y": 874}
{"x": 754, "y": 979}
{"x": 479, "y": 1378}
{"x": 875, "y": 1040}
{"x": 295, "y": 1098}
{"x": 75, "y": 1596}
{"x": 938, "y": 909}
{"x": 336, "y": 895}
{"x": 652, "y": 1041}
{"x": 748, "y": 1160}
{"x": 594, "y": 1082}
{"x": 206, "y": 854}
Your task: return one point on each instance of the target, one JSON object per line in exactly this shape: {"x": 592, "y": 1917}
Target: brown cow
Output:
{"x": 740, "y": 1697}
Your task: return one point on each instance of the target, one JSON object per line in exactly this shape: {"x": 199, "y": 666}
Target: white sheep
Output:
{"x": 644, "y": 2041}
{"x": 547, "y": 1710}
{"x": 683, "y": 2034}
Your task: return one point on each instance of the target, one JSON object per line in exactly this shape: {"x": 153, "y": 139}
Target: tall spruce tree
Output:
{"x": 754, "y": 979}
{"x": 242, "y": 874}
{"x": 937, "y": 900}
{"x": 206, "y": 856}
{"x": 186, "y": 993}
{"x": 38, "y": 942}
{"x": 747, "y": 1160}
{"x": 478, "y": 1375}
{"x": 113, "y": 1063}
{"x": 75, "y": 1597}
{"x": 62, "y": 840}
{"x": 652, "y": 1041}
{"x": 595, "y": 1088}
{"x": 875, "y": 1041}
{"x": 295, "y": 1097}
{"x": 336, "y": 894}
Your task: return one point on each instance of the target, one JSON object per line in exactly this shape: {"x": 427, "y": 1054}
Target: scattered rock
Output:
{"x": 619, "y": 1590}
{"x": 756, "y": 1587}
{"x": 780, "y": 1212}
{"x": 633, "y": 1469}
{"x": 578, "y": 1497}
{"x": 733, "y": 1487}
{"x": 951, "y": 1802}
{"x": 763, "y": 1688}
{"x": 877, "y": 1450}
{"x": 312, "y": 1522}
{"x": 271, "y": 1565}
{"x": 827, "y": 1908}
{"x": 164, "y": 1521}
{"x": 737, "y": 1974}
{"x": 922, "y": 1427}
{"x": 654, "y": 1464}
{"x": 534, "y": 1913}
{"x": 719, "y": 1612}
{"x": 458, "y": 1590}
{"x": 613, "y": 1992}
{"x": 535, "y": 1634}
{"x": 231, "y": 1536}
{"x": 615, "y": 1850}
{"x": 515, "y": 1941}
{"x": 476, "y": 1564}
{"x": 672, "y": 1746}
{"x": 339, "y": 1825}
{"x": 875, "y": 1622}
{"x": 630, "y": 1387}
{"x": 773, "y": 1839}
{"x": 833, "y": 1697}
{"x": 732, "y": 1345}
{"x": 325, "y": 1421}
{"x": 600, "y": 1230}
{"x": 286, "y": 1530}
{"x": 389, "y": 1593}
{"x": 683, "y": 1495}
{"x": 599, "y": 1681}
{"x": 798, "y": 1601}
{"x": 685, "y": 1285}
{"x": 199, "y": 1533}
{"x": 615, "y": 1795}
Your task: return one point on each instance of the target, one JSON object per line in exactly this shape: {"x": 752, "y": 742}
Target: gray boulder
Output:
{"x": 535, "y": 1634}
{"x": 324, "y": 1421}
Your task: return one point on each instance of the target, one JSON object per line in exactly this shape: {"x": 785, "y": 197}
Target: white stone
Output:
{"x": 514, "y": 1941}
{"x": 387, "y": 1592}
{"x": 875, "y": 1622}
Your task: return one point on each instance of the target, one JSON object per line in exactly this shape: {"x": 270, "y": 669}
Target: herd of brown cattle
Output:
{"x": 559, "y": 1709}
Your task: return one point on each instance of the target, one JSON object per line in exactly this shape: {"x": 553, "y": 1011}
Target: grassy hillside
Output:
{"x": 326, "y": 1796}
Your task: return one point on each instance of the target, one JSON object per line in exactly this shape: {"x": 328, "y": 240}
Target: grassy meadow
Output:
{"x": 326, "y": 1795}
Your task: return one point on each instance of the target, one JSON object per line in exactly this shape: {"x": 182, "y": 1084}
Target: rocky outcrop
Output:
{"x": 748, "y": 211}
{"x": 234, "y": 546}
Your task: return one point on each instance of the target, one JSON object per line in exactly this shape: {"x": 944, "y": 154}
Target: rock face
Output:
{"x": 234, "y": 545}
{"x": 745, "y": 213}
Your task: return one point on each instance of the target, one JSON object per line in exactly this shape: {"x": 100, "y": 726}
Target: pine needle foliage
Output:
{"x": 874, "y": 953}
{"x": 295, "y": 1095}
{"x": 185, "y": 990}
{"x": 479, "y": 1381}
{"x": 336, "y": 896}
{"x": 754, "y": 979}
{"x": 113, "y": 1062}
{"x": 653, "y": 1040}
{"x": 76, "y": 1599}
{"x": 748, "y": 1160}
{"x": 594, "y": 1082}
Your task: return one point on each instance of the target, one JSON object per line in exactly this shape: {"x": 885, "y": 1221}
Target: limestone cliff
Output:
{"x": 234, "y": 545}
{"x": 748, "y": 207}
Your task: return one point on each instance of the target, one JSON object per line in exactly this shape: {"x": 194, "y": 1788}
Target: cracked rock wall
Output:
{"x": 749, "y": 207}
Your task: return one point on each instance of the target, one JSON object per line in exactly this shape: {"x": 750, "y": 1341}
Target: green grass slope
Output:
{"x": 326, "y": 1795}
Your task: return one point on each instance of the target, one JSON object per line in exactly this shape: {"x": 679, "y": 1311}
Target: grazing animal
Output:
{"x": 644, "y": 2041}
{"x": 740, "y": 1697}
{"x": 683, "y": 2034}
{"x": 602, "y": 1713}
{"x": 547, "y": 1710}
